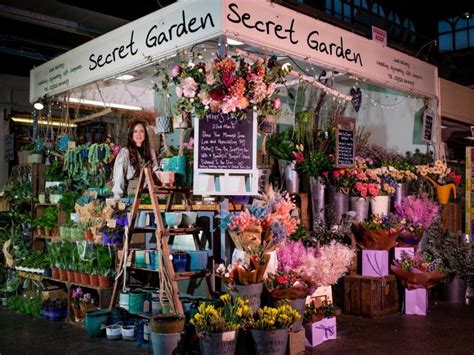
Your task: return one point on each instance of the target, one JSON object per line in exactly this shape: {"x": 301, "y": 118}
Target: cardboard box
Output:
{"x": 296, "y": 342}
{"x": 53, "y": 292}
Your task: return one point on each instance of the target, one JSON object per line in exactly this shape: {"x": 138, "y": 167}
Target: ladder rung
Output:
{"x": 191, "y": 274}
{"x": 179, "y": 231}
{"x": 169, "y": 189}
{"x": 143, "y": 230}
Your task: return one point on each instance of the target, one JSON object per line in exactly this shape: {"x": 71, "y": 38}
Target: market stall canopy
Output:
{"x": 260, "y": 23}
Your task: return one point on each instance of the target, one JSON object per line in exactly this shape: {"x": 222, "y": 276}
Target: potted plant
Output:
{"x": 456, "y": 260}
{"x": 217, "y": 327}
{"x": 319, "y": 322}
{"x": 49, "y": 219}
{"x": 76, "y": 295}
{"x": 105, "y": 264}
{"x": 288, "y": 287}
{"x": 55, "y": 193}
{"x": 54, "y": 250}
{"x": 54, "y": 170}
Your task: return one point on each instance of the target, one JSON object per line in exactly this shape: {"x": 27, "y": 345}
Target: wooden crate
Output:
{"x": 370, "y": 297}
{"x": 451, "y": 217}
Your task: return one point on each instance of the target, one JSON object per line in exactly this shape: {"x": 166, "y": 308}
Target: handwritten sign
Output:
{"x": 345, "y": 142}
{"x": 428, "y": 122}
{"x": 225, "y": 142}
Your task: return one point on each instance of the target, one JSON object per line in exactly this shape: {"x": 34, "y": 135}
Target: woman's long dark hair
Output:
{"x": 133, "y": 149}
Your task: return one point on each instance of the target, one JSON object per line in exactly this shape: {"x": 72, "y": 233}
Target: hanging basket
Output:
{"x": 164, "y": 124}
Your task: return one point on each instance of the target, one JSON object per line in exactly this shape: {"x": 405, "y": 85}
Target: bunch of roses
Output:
{"x": 367, "y": 184}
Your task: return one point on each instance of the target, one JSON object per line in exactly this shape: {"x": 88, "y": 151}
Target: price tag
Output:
{"x": 111, "y": 223}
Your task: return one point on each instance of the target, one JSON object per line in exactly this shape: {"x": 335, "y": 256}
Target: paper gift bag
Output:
{"x": 409, "y": 250}
{"x": 319, "y": 332}
{"x": 416, "y": 301}
{"x": 375, "y": 263}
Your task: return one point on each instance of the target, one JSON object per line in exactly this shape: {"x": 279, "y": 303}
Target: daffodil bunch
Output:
{"x": 269, "y": 318}
{"x": 230, "y": 316}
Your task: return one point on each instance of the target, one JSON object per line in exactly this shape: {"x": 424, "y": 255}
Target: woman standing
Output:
{"x": 132, "y": 158}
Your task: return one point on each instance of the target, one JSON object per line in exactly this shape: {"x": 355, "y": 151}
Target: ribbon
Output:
{"x": 328, "y": 330}
{"x": 376, "y": 268}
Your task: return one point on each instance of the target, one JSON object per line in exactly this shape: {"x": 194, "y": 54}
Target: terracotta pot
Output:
{"x": 85, "y": 279}
{"x": 62, "y": 275}
{"x": 70, "y": 276}
{"x": 88, "y": 235}
{"x": 94, "y": 280}
{"x": 167, "y": 323}
{"x": 55, "y": 273}
{"x": 104, "y": 281}
{"x": 78, "y": 314}
{"x": 77, "y": 277}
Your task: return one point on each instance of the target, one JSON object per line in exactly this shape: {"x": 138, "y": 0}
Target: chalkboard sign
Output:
{"x": 225, "y": 142}
{"x": 428, "y": 121}
{"x": 225, "y": 154}
{"x": 345, "y": 142}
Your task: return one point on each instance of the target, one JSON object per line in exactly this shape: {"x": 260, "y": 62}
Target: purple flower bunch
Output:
{"x": 292, "y": 255}
{"x": 418, "y": 211}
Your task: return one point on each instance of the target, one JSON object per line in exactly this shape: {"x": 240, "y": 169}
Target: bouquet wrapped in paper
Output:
{"x": 379, "y": 233}
{"x": 288, "y": 285}
{"x": 416, "y": 272}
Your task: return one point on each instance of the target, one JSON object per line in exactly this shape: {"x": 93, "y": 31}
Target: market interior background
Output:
{"x": 33, "y": 33}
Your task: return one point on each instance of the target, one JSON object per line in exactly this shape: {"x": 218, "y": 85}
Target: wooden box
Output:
{"x": 370, "y": 297}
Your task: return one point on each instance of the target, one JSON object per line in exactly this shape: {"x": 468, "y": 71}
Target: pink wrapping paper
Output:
{"x": 319, "y": 332}
{"x": 416, "y": 301}
{"x": 375, "y": 263}
{"x": 409, "y": 250}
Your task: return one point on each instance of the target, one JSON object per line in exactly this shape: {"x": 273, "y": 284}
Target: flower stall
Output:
{"x": 303, "y": 124}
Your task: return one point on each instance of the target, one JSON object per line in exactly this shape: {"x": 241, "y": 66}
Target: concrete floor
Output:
{"x": 447, "y": 329}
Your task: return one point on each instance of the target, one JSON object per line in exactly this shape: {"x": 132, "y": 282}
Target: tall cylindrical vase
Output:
{"x": 360, "y": 205}
{"x": 457, "y": 290}
{"x": 339, "y": 205}
{"x": 380, "y": 205}
{"x": 292, "y": 180}
{"x": 317, "y": 189}
{"x": 401, "y": 191}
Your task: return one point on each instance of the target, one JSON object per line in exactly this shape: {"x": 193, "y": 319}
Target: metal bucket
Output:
{"x": 251, "y": 292}
{"x": 339, "y": 204}
{"x": 360, "y": 206}
{"x": 317, "y": 200}
{"x": 292, "y": 179}
{"x": 218, "y": 343}
{"x": 270, "y": 342}
{"x": 401, "y": 191}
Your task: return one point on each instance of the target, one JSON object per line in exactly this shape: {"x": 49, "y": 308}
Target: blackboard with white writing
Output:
{"x": 225, "y": 142}
{"x": 345, "y": 142}
{"x": 428, "y": 126}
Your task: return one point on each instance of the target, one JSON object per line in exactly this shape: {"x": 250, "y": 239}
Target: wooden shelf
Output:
{"x": 47, "y": 237}
{"x": 70, "y": 283}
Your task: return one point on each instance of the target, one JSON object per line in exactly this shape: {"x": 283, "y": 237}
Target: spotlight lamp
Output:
{"x": 38, "y": 105}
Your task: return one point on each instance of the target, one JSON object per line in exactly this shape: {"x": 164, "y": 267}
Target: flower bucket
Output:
{"x": 128, "y": 332}
{"x": 164, "y": 124}
{"x": 178, "y": 164}
{"x": 456, "y": 290}
{"x": 380, "y": 205}
{"x": 166, "y": 177}
{"x": 272, "y": 342}
{"x": 401, "y": 191}
{"x": 339, "y": 203}
{"x": 298, "y": 305}
{"x": 165, "y": 344}
{"x": 317, "y": 199}
{"x": 94, "y": 321}
{"x": 360, "y": 206}
{"x": 251, "y": 292}
{"x": 292, "y": 179}
{"x": 218, "y": 343}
